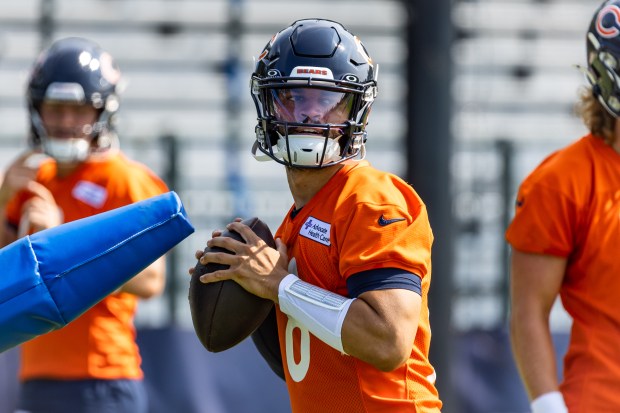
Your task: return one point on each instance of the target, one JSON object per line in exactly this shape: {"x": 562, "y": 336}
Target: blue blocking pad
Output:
{"x": 52, "y": 277}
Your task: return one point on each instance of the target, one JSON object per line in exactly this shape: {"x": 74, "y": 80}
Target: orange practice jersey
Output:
{"x": 336, "y": 235}
{"x": 99, "y": 344}
{"x": 570, "y": 207}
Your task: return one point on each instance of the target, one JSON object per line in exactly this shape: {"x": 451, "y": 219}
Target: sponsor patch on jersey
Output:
{"x": 316, "y": 230}
{"x": 90, "y": 193}
{"x": 311, "y": 71}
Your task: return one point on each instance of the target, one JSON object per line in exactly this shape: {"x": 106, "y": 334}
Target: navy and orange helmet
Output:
{"x": 313, "y": 86}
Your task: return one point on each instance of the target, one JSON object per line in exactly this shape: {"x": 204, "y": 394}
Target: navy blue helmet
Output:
{"x": 74, "y": 70}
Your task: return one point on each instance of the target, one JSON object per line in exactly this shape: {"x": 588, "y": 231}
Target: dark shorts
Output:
{"x": 83, "y": 396}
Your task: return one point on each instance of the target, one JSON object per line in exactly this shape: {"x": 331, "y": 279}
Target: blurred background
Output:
{"x": 472, "y": 95}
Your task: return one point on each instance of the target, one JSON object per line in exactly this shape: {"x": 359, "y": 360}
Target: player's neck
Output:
{"x": 65, "y": 169}
{"x": 305, "y": 183}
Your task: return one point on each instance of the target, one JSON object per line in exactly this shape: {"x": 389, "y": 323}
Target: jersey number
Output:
{"x": 297, "y": 370}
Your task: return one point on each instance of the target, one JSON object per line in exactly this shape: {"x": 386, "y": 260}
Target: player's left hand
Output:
{"x": 254, "y": 265}
{"x": 200, "y": 253}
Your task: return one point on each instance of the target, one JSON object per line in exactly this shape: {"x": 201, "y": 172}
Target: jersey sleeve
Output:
{"x": 137, "y": 183}
{"x": 376, "y": 236}
{"x": 544, "y": 219}
{"x": 147, "y": 186}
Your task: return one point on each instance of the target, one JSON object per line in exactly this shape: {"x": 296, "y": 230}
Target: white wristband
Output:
{"x": 320, "y": 311}
{"x": 551, "y": 402}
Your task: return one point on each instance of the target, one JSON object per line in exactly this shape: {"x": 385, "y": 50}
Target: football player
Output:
{"x": 564, "y": 238}
{"x": 352, "y": 270}
{"x": 92, "y": 364}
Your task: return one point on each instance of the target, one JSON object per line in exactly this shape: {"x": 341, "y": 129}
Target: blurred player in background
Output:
{"x": 565, "y": 240}
{"x": 93, "y": 364}
{"x": 353, "y": 266}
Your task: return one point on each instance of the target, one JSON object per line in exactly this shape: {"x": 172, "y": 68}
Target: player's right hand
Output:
{"x": 253, "y": 265}
{"x": 40, "y": 211}
{"x": 19, "y": 174}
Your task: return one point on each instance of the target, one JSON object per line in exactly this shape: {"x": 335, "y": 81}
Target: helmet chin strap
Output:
{"x": 261, "y": 156}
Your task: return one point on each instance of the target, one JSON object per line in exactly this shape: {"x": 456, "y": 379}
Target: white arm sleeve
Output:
{"x": 551, "y": 402}
{"x": 322, "y": 312}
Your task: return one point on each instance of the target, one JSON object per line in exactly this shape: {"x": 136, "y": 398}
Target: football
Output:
{"x": 266, "y": 341}
{"x": 224, "y": 313}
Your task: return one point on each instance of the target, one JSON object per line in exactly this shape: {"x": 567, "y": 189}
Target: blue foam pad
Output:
{"x": 52, "y": 277}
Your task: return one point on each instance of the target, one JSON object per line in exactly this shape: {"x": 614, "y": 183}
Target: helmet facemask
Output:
{"x": 602, "y": 75}
{"x": 311, "y": 124}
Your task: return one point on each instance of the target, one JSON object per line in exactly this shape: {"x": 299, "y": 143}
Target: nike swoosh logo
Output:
{"x": 383, "y": 222}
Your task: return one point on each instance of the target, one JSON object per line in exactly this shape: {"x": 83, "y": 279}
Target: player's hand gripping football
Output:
{"x": 254, "y": 265}
{"x": 39, "y": 212}
{"x": 19, "y": 175}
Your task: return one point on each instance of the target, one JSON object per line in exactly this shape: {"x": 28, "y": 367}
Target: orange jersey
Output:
{"x": 570, "y": 207}
{"x": 100, "y": 343}
{"x": 334, "y": 236}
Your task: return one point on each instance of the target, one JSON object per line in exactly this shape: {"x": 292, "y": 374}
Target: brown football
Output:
{"x": 224, "y": 313}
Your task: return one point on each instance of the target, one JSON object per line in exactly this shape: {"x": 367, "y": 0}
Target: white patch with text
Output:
{"x": 90, "y": 193}
{"x": 316, "y": 230}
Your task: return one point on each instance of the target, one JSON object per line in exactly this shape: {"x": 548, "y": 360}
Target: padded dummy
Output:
{"x": 51, "y": 277}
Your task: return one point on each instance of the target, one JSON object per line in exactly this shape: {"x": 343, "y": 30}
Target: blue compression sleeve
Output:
{"x": 383, "y": 279}
{"x": 52, "y": 277}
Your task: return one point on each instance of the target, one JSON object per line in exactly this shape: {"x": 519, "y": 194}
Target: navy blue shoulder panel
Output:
{"x": 383, "y": 279}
